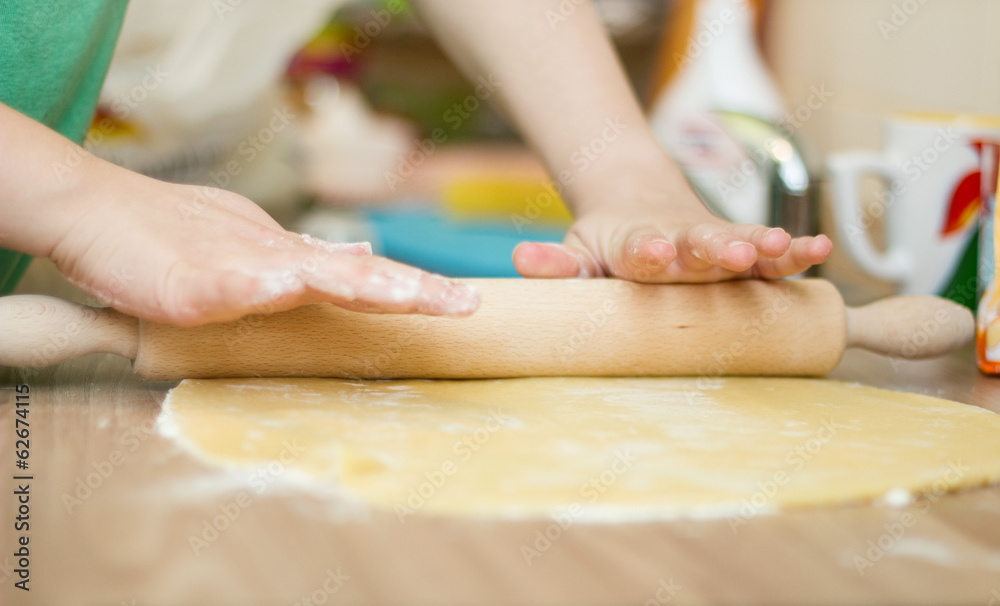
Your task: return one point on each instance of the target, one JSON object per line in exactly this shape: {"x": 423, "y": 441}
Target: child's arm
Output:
{"x": 550, "y": 66}
{"x": 184, "y": 254}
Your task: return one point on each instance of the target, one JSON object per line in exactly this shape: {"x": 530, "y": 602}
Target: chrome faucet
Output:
{"x": 790, "y": 189}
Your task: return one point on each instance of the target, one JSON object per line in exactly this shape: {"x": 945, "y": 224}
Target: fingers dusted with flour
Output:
{"x": 226, "y": 261}
{"x": 267, "y": 281}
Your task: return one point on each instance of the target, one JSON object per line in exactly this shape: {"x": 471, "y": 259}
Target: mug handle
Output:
{"x": 845, "y": 171}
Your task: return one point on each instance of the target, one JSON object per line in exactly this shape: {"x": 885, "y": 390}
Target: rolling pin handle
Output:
{"x": 39, "y": 331}
{"x": 910, "y": 327}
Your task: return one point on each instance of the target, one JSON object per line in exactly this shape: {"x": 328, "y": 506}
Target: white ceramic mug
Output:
{"x": 930, "y": 164}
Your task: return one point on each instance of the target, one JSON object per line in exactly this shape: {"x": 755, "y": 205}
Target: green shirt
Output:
{"x": 54, "y": 55}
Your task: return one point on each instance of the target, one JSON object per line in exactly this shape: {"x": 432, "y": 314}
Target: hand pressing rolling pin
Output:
{"x": 196, "y": 255}
{"x": 524, "y": 328}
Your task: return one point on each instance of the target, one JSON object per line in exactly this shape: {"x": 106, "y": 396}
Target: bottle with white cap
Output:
{"x": 717, "y": 67}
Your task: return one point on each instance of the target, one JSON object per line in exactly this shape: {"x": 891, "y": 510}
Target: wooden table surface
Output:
{"x": 127, "y": 539}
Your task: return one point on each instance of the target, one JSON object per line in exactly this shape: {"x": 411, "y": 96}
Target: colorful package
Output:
{"x": 988, "y": 313}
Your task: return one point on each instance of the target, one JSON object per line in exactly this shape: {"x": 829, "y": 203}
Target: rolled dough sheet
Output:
{"x": 592, "y": 448}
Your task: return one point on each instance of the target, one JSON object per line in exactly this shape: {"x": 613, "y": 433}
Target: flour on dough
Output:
{"x": 593, "y": 448}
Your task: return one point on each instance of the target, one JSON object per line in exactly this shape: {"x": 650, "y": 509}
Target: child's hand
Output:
{"x": 670, "y": 245}
{"x": 558, "y": 80}
{"x": 189, "y": 255}
{"x": 184, "y": 254}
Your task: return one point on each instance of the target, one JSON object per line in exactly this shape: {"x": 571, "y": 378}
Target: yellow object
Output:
{"x": 954, "y": 119}
{"x": 591, "y": 448}
{"x": 518, "y": 200}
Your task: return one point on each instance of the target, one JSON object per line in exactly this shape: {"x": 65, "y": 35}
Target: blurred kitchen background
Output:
{"x": 325, "y": 115}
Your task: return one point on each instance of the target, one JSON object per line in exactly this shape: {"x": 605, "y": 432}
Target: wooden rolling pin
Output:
{"x": 523, "y": 328}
